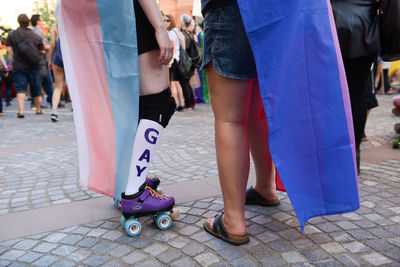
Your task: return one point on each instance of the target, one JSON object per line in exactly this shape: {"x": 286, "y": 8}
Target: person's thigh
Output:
{"x": 59, "y": 76}
{"x": 34, "y": 82}
{"x": 20, "y": 81}
{"x": 230, "y": 98}
{"x": 153, "y": 77}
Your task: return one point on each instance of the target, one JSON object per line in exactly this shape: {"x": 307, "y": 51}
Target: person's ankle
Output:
{"x": 268, "y": 192}
{"x": 235, "y": 224}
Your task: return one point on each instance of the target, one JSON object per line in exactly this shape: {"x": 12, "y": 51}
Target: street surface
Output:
{"x": 39, "y": 181}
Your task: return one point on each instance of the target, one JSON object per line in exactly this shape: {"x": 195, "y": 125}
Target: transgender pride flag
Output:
{"x": 98, "y": 41}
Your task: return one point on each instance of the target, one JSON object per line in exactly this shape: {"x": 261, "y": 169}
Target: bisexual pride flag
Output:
{"x": 99, "y": 48}
{"x": 306, "y": 102}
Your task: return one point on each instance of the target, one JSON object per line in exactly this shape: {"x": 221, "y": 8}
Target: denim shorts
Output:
{"x": 23, "y": 77}
{"x": 226, "y": 44}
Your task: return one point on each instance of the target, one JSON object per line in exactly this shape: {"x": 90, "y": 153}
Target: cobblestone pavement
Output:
{"x": 47, "y": 175}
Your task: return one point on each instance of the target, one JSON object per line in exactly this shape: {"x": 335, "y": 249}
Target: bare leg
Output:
{"x": 230, "y": 103}
{"x": 154, "y": 77}
{"x": 258, "y": 137}
{"x": 59, "y": 84}
{"x": 37, "y": 100}
{"x": 21, "y": 102}
{"x": 177, "y": 93}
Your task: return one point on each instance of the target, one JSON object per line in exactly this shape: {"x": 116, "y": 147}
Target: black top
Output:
{"x": 207, "y": 5}
{"x": 19, "y": 62}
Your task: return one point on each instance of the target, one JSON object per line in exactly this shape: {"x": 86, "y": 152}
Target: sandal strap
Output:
{"x": 218, "y": 226}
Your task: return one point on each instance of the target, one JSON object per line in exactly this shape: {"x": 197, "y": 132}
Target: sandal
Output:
{"x": 254, "y": 198}
{"x": 218, "y": 230}
{"x": 20, "y": 116}
{"x": 39, "y": 112}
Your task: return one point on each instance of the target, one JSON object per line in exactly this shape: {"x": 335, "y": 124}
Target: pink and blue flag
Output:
{"x": 99, "y": 48}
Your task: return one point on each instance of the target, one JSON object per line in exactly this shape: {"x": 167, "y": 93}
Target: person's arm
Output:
{"x": 53, "y": 37}
{"x": 2, "y": 61}
{"x": 153, "y": 14}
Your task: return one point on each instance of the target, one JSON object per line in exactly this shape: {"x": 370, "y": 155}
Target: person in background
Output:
{"x": 382, "y": 78}
{"x": 3, "y": 63}
{"x": 46, "y": 81}
{"x": 23, "y": 72}
{"x": 176, "y": 38}
{"x": 7, "y": 78}
{"x": 187, "y": 26}
{"x": 57, "y": 65}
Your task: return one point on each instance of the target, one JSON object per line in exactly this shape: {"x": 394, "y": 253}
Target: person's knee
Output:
{"x": 157, "y": 107}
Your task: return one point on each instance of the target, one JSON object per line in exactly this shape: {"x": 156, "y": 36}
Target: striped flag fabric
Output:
{"x": 99, "y": 48}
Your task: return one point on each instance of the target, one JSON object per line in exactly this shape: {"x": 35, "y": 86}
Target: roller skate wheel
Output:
{"x": 174, "y": 214}
{"x": 163, "y": 221}
{"x": 395, "y": 143}
{"x": 122, "y": 220}
{"x": 133, "y": 227}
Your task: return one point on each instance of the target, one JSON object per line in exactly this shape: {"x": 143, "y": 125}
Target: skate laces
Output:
{"x": 155, "y": 194}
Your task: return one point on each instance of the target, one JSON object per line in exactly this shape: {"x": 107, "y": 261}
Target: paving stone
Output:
{"x": 141, "y": 243}
{"x": 243, "y": 262}
{"x": 271, "y": 261}
{"x": 45, "y": 261}
{"x": 192, "y": 249}
{"x": 110, "y": 225}
{"x": 360, "y": 234}
{"x": 328, "y": 227}
{"x": 169, "y": 255}
{"x": 206, "y": 259}
{"x": 376, "y": 259}
{"x": 259, "y": 252}
{"x": 255, "y": 229}
{"x": 275, "y": 226}
{"x": 30, "y": 257}
{"x": 66, "y": 263}
{"x": 326, "y": 263}
{"x": 356, "y": 247}
{"x": 54, "y": 238}
{"x": 314, "y": 254}
{"x": 189, "y": 230}
{"x": 394, "y": 241}
{"x": 150, "y": 263}
{"x": 216, "y": 244}
{"x": 64, "y": 250}
{"x": 12, "y": 255}
{"x": 393, "y": 254}
{"x": 267, "y": 237}
{"x": 44, "y": 247}
{"x": 302, "y": 243}
{"x": 79, "y": 255}
{"x": 333, "y": 248}
{"x": 133, "y": 257}
{"x": 185, "y": 262}
{"x": 348, "y": 260}
{"x": 97, "y": 260}
{"x": 231, "y": 253}
{"x": 119, "y": 251}
{"x": 202, "y": 236}
{"x": 378, "y": 245}
{"x": 25, "y": 244}
{"x": 112, "y": 235}
{"x": 320, "y": 238}
{"x": 279, "y": 246}
{"x": 166, "y": 236}
{"x": 290, "y": 234}
{"x": 261, "y": 219}
{"x": 87, "y": 242}
{"x": 71, "y": 239}
{"x": 104, "y": 246}
{"x": 155, "y": 249}
{"x": 96, "y": 232}
{"x": 179, "y": 242}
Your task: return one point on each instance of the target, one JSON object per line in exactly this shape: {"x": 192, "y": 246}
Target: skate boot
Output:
{"x": 146, "y": 202}
{"x": 153, "y": 183}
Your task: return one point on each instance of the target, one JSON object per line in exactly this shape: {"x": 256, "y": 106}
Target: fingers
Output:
{"x": 165, "y": 55}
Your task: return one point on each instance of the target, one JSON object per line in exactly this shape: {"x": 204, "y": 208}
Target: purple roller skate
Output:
{"x": 146, "y": 202}
{"x": 153, "y": 183}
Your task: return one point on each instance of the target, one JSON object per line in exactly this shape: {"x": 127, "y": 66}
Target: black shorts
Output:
{"x": 146, "y": 38}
